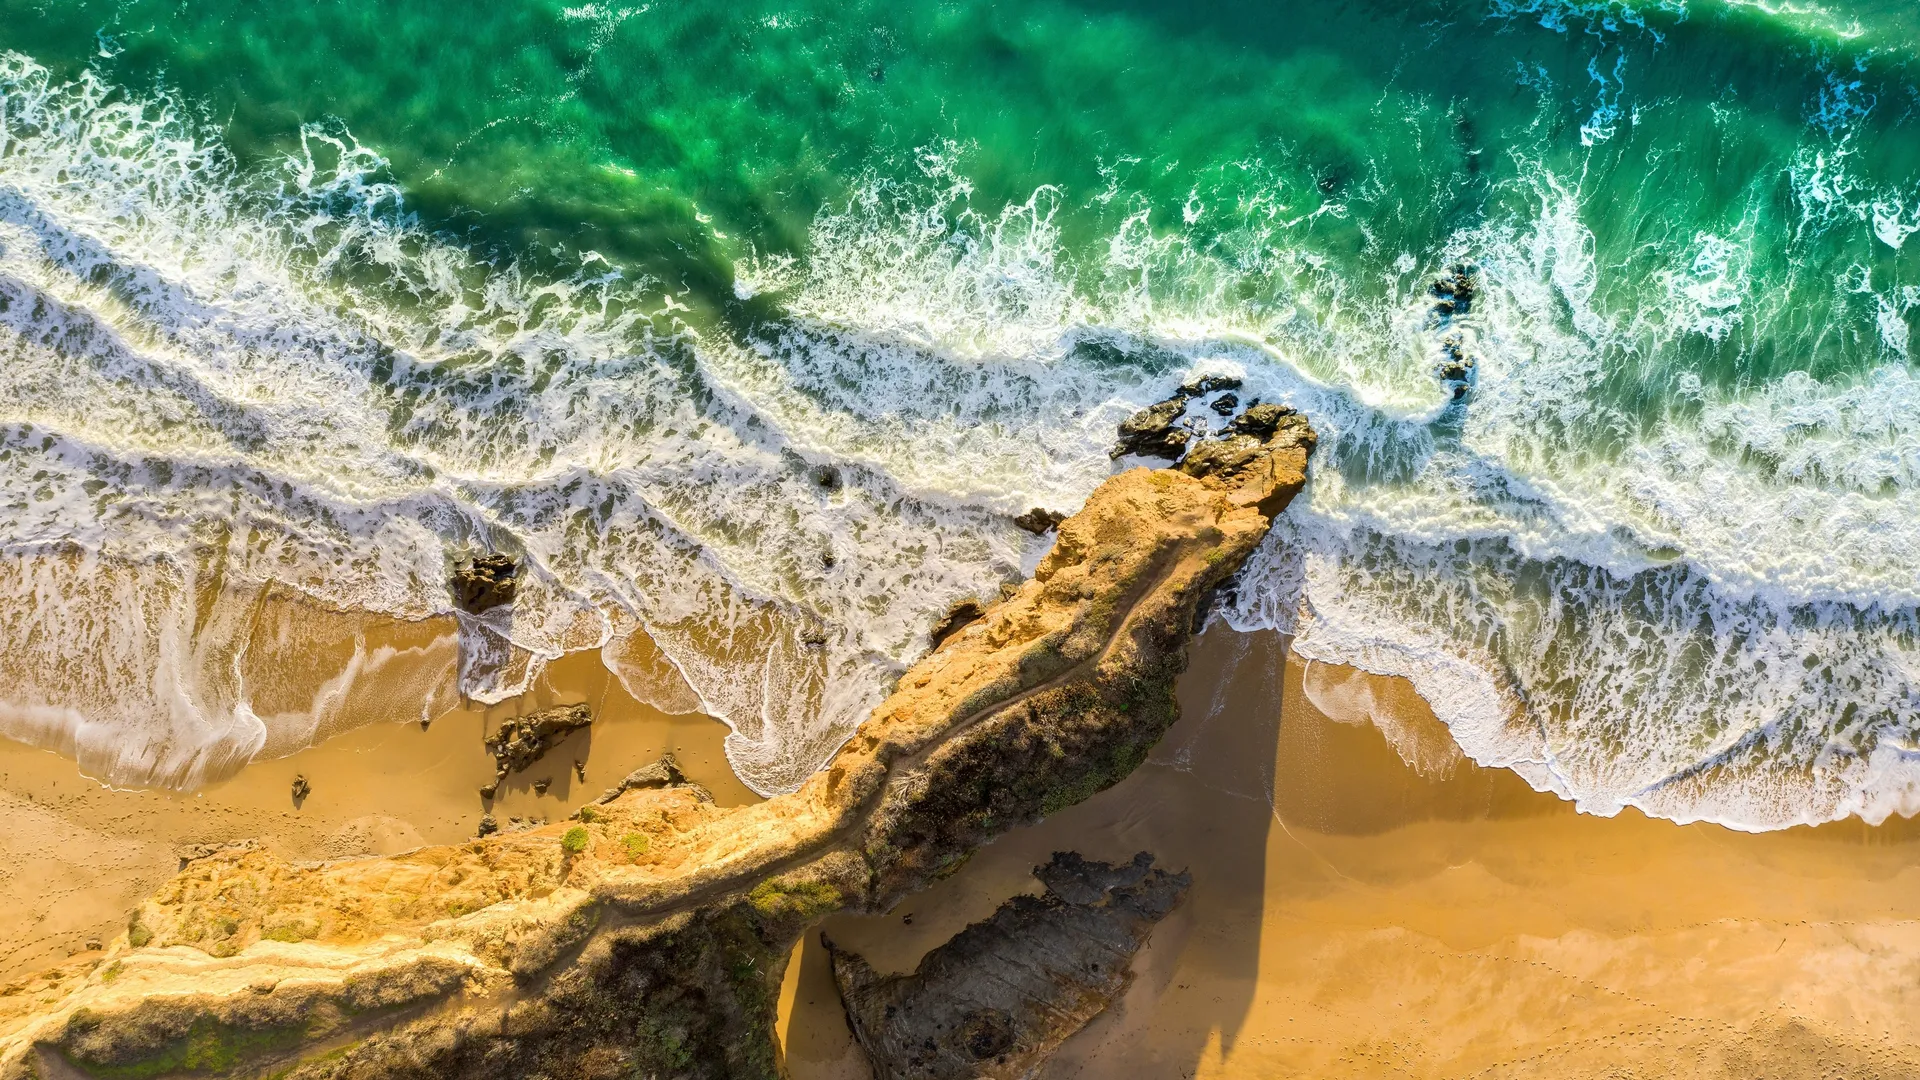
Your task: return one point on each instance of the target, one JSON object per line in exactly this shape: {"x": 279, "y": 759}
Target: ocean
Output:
{"x": 751, "y": 327}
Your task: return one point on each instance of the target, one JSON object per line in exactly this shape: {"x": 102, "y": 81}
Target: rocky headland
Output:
{"x": 648, "y": 936}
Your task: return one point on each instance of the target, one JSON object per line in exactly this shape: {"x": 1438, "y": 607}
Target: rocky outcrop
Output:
{"x": 1005, "y": 993}
{"x": 523, "y": 740}
{"x": 1154, "y": 431}
{"x": 649, "y": 936}
{"x": 1162, "y": 430}
{"x": 485, "y": 582}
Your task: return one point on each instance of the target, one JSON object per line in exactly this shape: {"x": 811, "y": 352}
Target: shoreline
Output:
{"x": 1342, "y": 848}
{"x": 79, "y": 855}
{"x": 1367, "y": 901}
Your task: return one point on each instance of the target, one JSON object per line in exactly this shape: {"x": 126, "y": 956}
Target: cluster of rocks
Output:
{"x": 1453, "y": 295}
{"x": 1162, "y": 430}
{"x": 489, "y": 825}
{"x": 1003, "y": 994}
{"x": 523, "y": 740}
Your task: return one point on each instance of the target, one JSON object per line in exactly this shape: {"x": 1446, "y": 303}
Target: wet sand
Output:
{"x": 76, "y": 857}
{"x": 1368, "y": 903}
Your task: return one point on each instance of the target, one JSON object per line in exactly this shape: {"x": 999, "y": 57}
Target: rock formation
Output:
{"x": 1005, "y": 993}
{"x": 652, "y": 941}
{"x": 484, "y": 582}
{"x": 523, "y": 740}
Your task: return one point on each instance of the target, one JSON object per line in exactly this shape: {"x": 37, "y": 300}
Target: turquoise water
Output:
{"x": 752, "y": 325}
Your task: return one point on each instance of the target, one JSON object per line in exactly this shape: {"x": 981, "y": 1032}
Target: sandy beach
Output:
{"x": 75, "y": 856}
{"x": 1368, "y": 903}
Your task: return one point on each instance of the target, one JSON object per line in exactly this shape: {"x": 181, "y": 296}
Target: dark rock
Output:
{"x": 826, "y": 477}
{"x": 1225, "y": 404}
{"x": 485, "y": 582}
{"x": 488, "y": 826}
{"x": 1261, "y": 421}
{"x": 1207, "y": 384}
{"x": 1040, "y": 521}
{"x": 580, "y": 769}
{"x": 541, "y": 785}
{"x": 1455, "y": 366}
{"x": 301, "y": 789}
{"x": 491, "y": 790}
{"x": 958, "y": 617}
{"x": 523, "y": 740}
{"x": 1453, "y": 292}
{"x": 1011, "y": 989}
{"x": 1154, "y": 431}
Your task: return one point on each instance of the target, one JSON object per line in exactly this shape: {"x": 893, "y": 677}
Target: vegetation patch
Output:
{"x": 208, "y": 1047}
{"x": 636, "y": 845}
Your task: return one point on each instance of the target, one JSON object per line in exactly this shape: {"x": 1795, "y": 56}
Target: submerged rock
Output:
{"x": 1456, "y": 366}
{"x": 1453, "y": 292}
{"x": 523, "y": 740}
{"x": 1000, "y": 997}
{"x": 1040, "y": 521}
{"x": 485, "y": 582}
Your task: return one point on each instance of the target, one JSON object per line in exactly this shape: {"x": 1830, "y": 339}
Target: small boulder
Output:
{"x": 488, "y": 826}
{"x": 301, "y": 789}
{"x": 485, "y": 582}
{"x": 1225, "y": 404}
{"x": 1040, "y": 521}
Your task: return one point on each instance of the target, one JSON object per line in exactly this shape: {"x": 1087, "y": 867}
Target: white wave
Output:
{"x": 1706, "y": 612}
{"x": 209, "y": 388}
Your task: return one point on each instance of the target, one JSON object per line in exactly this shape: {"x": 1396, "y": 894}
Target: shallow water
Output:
{"x": 750, "y": 328}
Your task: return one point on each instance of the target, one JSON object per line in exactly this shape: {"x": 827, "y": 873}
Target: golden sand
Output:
{"x": 75, "y": 857}
{"x": 1368, "y": 903}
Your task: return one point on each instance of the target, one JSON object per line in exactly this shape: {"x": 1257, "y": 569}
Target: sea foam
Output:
{"x": 229, "y": 383}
